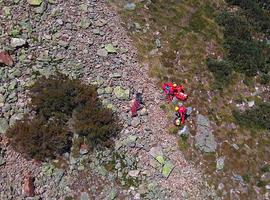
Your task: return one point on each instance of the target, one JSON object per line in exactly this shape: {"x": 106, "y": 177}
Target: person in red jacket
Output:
{"x": 169, "y": 89}
{"x": 180, "y": 93}
{"x": 137, "y": 104}
{"x": 174, "y": 90}
{"x": 181, "y": 113}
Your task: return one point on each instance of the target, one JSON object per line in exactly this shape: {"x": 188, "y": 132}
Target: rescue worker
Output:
{"x": 174, "y": 90}
{"x": 169, "y": 88}
{"x": 181, "y": 113}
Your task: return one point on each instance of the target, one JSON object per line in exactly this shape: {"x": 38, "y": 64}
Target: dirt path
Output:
{"x": 68, "y": 36}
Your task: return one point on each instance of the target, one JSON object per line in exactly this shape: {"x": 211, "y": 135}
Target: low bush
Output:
{"x": 56, "y": 102}
{"x": 222, "y": 71}
{"x": 256, "y": 11}
{"x": 247, "y": 56}
{"x": 265, "y": 168}
{"x": 95, "y": 123}
{"x": 39, "y": 139}
{"x": 258, "y": 117}
{"x": 264, "y": 79}
{"x": 235, "y": 26}
{"x": 58, "y": 95}
{"x": 246, "y": 53}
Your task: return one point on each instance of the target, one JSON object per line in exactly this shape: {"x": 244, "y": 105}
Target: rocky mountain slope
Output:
{"x": 86, "y": 40}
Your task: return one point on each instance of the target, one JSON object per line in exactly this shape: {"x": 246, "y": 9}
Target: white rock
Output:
{"x": 17, "y": 42}
{"x": 134, "y": 173}
{"x": 251, "y": 103}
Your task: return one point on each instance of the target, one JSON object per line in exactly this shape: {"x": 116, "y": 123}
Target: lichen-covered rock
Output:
{"x": 204, "y": 138}
{"x": 3, "y": 125}
{"x": 102, "y": 53}
{"x": 17, "y": 42}
{"x": 35, "y": 2}
{"x": 108, "y": 90}
{"x": 130, "y": 6}
{"x": 110, "y": 48}
{"x": 84, "y": 196}
{"x": 121, "y": 93}
{"x": 134, "y": 173}
{"x": 167, "y": 169}
{"x": 113, "y": 194}
{"x": 156, "y": 151}
{"x": 160, "y": 159}
{"x": 220, "y": 163}
{"x": 135, "y": 121}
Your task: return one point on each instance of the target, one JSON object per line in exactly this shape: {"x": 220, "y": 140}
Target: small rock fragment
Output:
{"x": 266, "y": 177}
{"x": 143, "y": 112}
{"x": 251, "y": 103}
{"x": 110, "y": 48}
{"x": 130, "y": 6}
{"x": 100, "y": 22}
{"x": 34, "y": 2}
{"x": 112, "y": 194}
{"x": 158, "y": 43}
{"x": 220, "y": 163}
{"x": 84, "y": 149}
{"x": 17, "y": 42}
{"x": 108, "y": 90}
{"x": 6, "y": 59}
{"x": 134, "y": 173}
{"x": 102, "y": 53}
{"x": 2, "y": 161}
{"x": 115, "y": 75}
{"x": 3, "y": 125}
{"x": 85, "y": 23}
{"x": 28, "y": 186}
{"x": 189, "y": 111}
{"x": 135, "y": 122}
{"x": 84, "y": 196}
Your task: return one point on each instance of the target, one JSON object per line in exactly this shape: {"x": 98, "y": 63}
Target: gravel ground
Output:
{"x": 70, "y": 36}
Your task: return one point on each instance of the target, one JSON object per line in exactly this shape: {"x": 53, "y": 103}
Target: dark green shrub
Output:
{"x": 235, "y": 26}
{"x": 246, "y": 53}
{"x": 261, "y": 183}
{"x": 246, "y": 178}
{"x": 264, "y": 79}
{"x": 258, "y": 117}
{"x": 222, "y": 71}
{"x": 57, "y": 101}
{"x": 95, "y": 123}
{"x": 39, "y": 139}
{"x": 265, "y": 4}
{"x": 54, "y": 95}
{"x": 256, "y": 11}
{"x": 265, "y": 168}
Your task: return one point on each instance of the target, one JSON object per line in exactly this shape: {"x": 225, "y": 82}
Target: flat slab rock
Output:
{"x": 165, "y": 165}
{"x": 204, "y": 138}
{"x": 3, "y": 125}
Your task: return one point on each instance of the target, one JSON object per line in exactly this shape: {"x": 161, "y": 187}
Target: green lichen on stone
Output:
{"x": 167, "y": 169}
